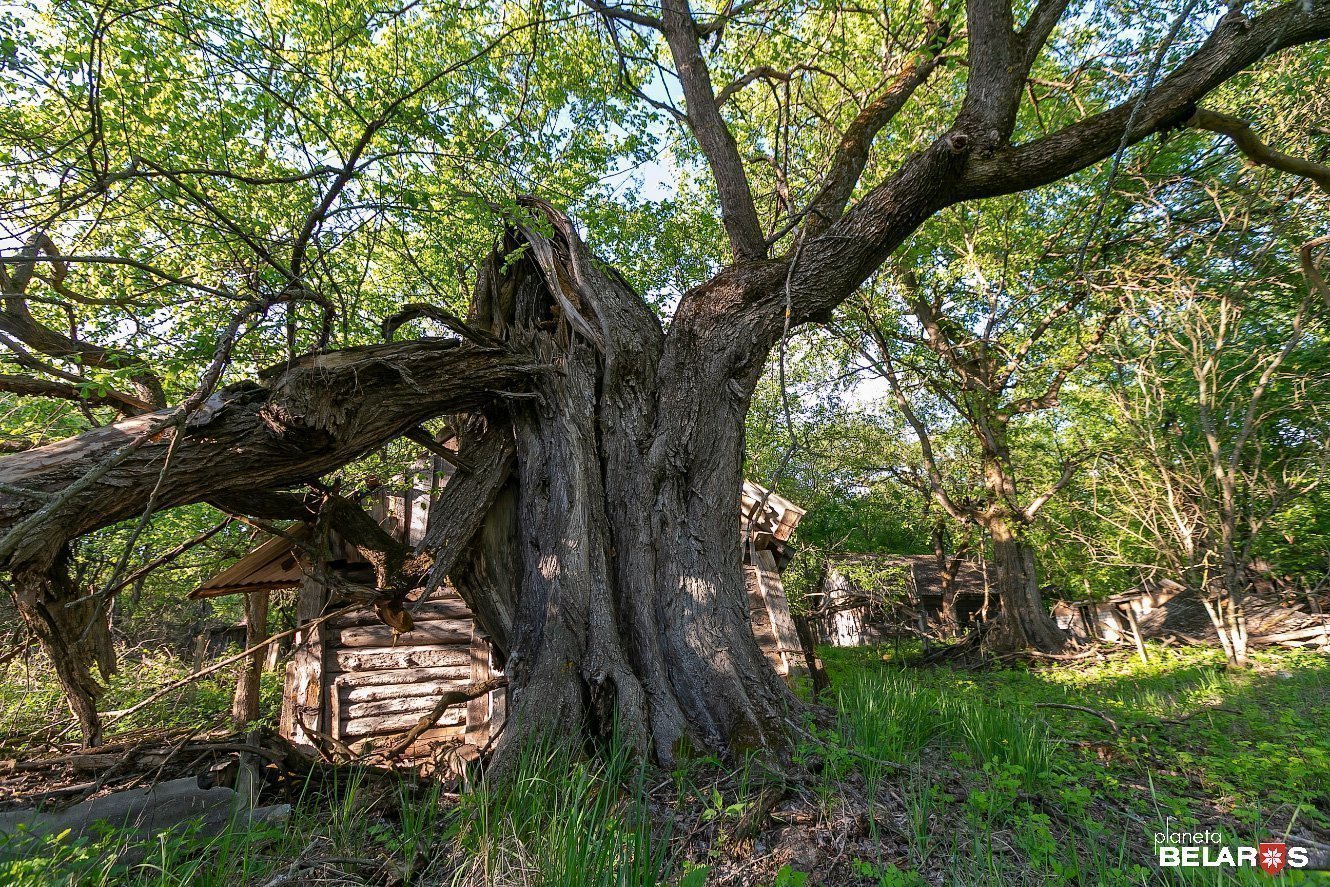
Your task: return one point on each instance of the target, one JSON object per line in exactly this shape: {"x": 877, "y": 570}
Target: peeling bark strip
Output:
{"x": 298, "y": 423}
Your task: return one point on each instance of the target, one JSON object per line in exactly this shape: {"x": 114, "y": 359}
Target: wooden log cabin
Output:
{"x": 355, "y": 684}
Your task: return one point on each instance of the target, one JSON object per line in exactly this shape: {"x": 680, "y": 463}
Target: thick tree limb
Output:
{"x": 997, "y": 72}
{"x": 738, "y": 212}
{"x": 851, "y": 156}
{"x": 1235, "y": 44}
{"x": 300, "y": 422}
{"x": 25, "y": 386}
{"x": 456, "y": 514}
{"x": 1250, "y": 144}
{"x": 834, "y": 264}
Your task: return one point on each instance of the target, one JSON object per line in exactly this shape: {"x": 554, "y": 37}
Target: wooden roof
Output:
{"x": 271, "y": 566}
{"x": 778, "y": 518}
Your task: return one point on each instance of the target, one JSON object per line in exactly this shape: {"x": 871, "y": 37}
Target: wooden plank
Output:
{"x": 773, "y": 626}
{"x": 479, "y": 713}
{"x": 448, "y": 632}
{"x": 382, "y": 659}
{"x": 414, "y": 705}
{"x": 398, "y": 677}
{"x": 305, "y": 695}
{"x": 778, "y": 606}
{"x": 1308, "y": 633}
{"x": 760, "y": 620}
{"x": 422, "y": 749}
{"x": 383, "y": 693}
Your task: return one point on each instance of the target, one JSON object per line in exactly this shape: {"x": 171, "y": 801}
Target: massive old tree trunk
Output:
{"x": 629, "y": 607}
{"x": 593, "y": 527}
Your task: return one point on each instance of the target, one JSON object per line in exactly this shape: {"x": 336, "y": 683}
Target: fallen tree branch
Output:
{"x": 446, "y": 701}
{"x": 300, "y": 421}
{"x": 1082, "y": 708}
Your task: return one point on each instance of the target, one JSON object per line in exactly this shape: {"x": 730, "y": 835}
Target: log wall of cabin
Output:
{"x": 362, "y": 684}
{"x": 355, "y": 680}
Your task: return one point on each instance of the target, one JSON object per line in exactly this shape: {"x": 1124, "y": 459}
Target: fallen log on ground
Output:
{"x": 148, "y": 812}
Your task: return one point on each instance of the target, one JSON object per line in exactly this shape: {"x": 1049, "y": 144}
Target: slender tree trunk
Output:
{"x": 947, "y": 613}
{"x": 948, "y": 570}
{"x": 245, "y": 704}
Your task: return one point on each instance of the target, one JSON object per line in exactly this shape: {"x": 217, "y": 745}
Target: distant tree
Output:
{"x": 1224, "y": 390}
{"x": 972, "y": 361}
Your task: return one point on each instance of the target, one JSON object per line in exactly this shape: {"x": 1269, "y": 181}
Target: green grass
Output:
{"x": 1251, "y": 742}
{"x": 971, "y": 782}
{"x": 562, "y": 820}
{"x": 1054, "y": 796}
{"x": 31, "y": 700}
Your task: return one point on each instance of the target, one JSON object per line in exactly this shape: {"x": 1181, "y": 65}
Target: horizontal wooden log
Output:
{"x": 415, "y": 705}
{"x": 1311, "y": 632}
{"x": 303, "y": 419}
{"x": 386, "y": 692}
{"x": 360, "y": 727}
{"x": 393, "y": 677}
{"x": 398, "y": 692}
{"x": 381, "y": 659}
{"x": 441, "y": 633}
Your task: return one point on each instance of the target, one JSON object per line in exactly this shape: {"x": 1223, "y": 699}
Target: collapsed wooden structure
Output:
{"x": 354, "y": 683}
{"x": 866, "y": 599}
{"x": 1165, "y": 608}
